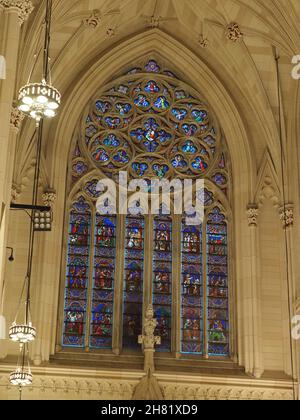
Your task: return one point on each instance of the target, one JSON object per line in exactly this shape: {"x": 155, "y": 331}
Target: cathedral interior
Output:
{"x": 101, "y": 299}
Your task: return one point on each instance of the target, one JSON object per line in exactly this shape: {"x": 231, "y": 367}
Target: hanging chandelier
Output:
{"x": 22, "y": 333}
{"x": 41, "y": 100}
{"x": 22, "y": 376}
{"x": 38, "y": 101}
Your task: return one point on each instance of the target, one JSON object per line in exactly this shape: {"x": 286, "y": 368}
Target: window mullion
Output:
{"x": 148, "y": 255}
{"x": 90, "y": 281}
{"x": 205, "y": 294}
{"x": 176, "y": 286}
{"x": 119, "y": 284}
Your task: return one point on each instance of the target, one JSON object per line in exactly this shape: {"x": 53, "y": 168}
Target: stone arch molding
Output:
{"x": 82, "y": 88}
{"x": 188, "y": 66}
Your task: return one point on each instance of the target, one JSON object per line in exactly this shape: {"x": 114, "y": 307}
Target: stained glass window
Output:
{"x": 151, "y": 125}
{"x": 103, "y": 282}
{"x": 162, "y": 280}
{"x": 191, "y": 290}
{"x": 217, "y": 287}
{"x": 77, "y": 274}
{"x": 133, "y": 282}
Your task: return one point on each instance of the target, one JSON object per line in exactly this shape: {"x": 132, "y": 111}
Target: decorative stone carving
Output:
{"x": 252, "y": 213}
{"x": 203, "y": 42}
{"x": 287, "y": 215}
{"x": 111, "y": 32}
{"x": 154, "y": 21}
{"x": 25, "y": 7}
{"x": 148, "y": 339}
{"x": 111, "y": 389}
{"x": 233, "y": 32}
{"x": 148, "y": 388}
{"x": 93, "y": 21}
{"x": 49, "y": 198}
{"x": 16, "y": 118}
{"x": 15, "y": 193}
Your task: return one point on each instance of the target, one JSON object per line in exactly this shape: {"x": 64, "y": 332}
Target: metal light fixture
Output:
{"x": 42, "y": 221}
{"x": 22, "y": 376}
{"x": 41, "y": 100}
{"x": 38, "y": 101}
{"x": 23, "y": 332}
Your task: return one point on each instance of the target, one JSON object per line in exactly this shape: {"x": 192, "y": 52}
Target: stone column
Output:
{"x": 42, "y": 295}
{"x": 13, "y": 14}
{"x": 287, "y": 217}
{"x": 255, "y": 305}
{"x": 15, "y": 124}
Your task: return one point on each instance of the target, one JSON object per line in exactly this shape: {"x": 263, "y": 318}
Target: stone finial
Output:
{"x": 149, "y": 389}
{"x": 25, "y": 7}
{"x": 148, "y": 339}
{"x": 233, "y": 32}
{"x": 93, "y": 22}
{"x": 16, "y": 118}
{"x": 252, "y": 213}
{"x": 49, "y": 198}
{"x": 287, "y": 216}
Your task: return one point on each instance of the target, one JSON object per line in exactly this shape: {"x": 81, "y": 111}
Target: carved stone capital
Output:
{"x": 49, "y": 198}
{"x": 252, "y": 213}
{"x": 16, "y": 118}
{"x": 15, "y": 193}
{"x": 25, "y": 7}
{"x": 287, "y": 215}
{"x": 233, "y": 32}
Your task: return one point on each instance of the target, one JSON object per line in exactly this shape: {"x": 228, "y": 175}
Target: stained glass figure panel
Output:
{"x": 77, "y": 273}
{"x": 191, "y": 290}
{"x": 162, "y": 280}
{"x": 217, "y": 285}
{"x": 133, "y": 282}
{"x": 103, "y": 283}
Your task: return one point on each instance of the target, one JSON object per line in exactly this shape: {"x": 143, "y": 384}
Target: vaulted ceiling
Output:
{"x": 82, "y": 30}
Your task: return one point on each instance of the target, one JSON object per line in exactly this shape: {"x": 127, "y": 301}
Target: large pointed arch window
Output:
{"x": 149, "y": 124}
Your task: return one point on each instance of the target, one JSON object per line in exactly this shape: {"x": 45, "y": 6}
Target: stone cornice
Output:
{"x": 25, "y": 7}
{"x": 105, "y": 384}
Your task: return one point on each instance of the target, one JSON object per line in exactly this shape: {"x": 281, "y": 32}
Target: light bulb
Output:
{"x": 27, "y": 100}
{"x": 24, "y": 108}
{"x": 49, "y": 113}
{"x": 53, "y": 105}
{"x": 42, "y": 99}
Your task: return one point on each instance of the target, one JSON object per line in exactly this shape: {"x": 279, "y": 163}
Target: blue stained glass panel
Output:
{"x": 217, "y": 285}
{"x": 133, "y": 282}
{"x": 162, "y": 280}
{"x": 152, "y": 87}
{"x": 191, "y": 290}
{"x": 74, "y": 328}
{"x": 103, "y": 282}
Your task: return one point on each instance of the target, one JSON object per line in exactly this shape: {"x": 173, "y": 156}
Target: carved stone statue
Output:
{"x": 148, "y": 388}
{"x": 149, "y": 340}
